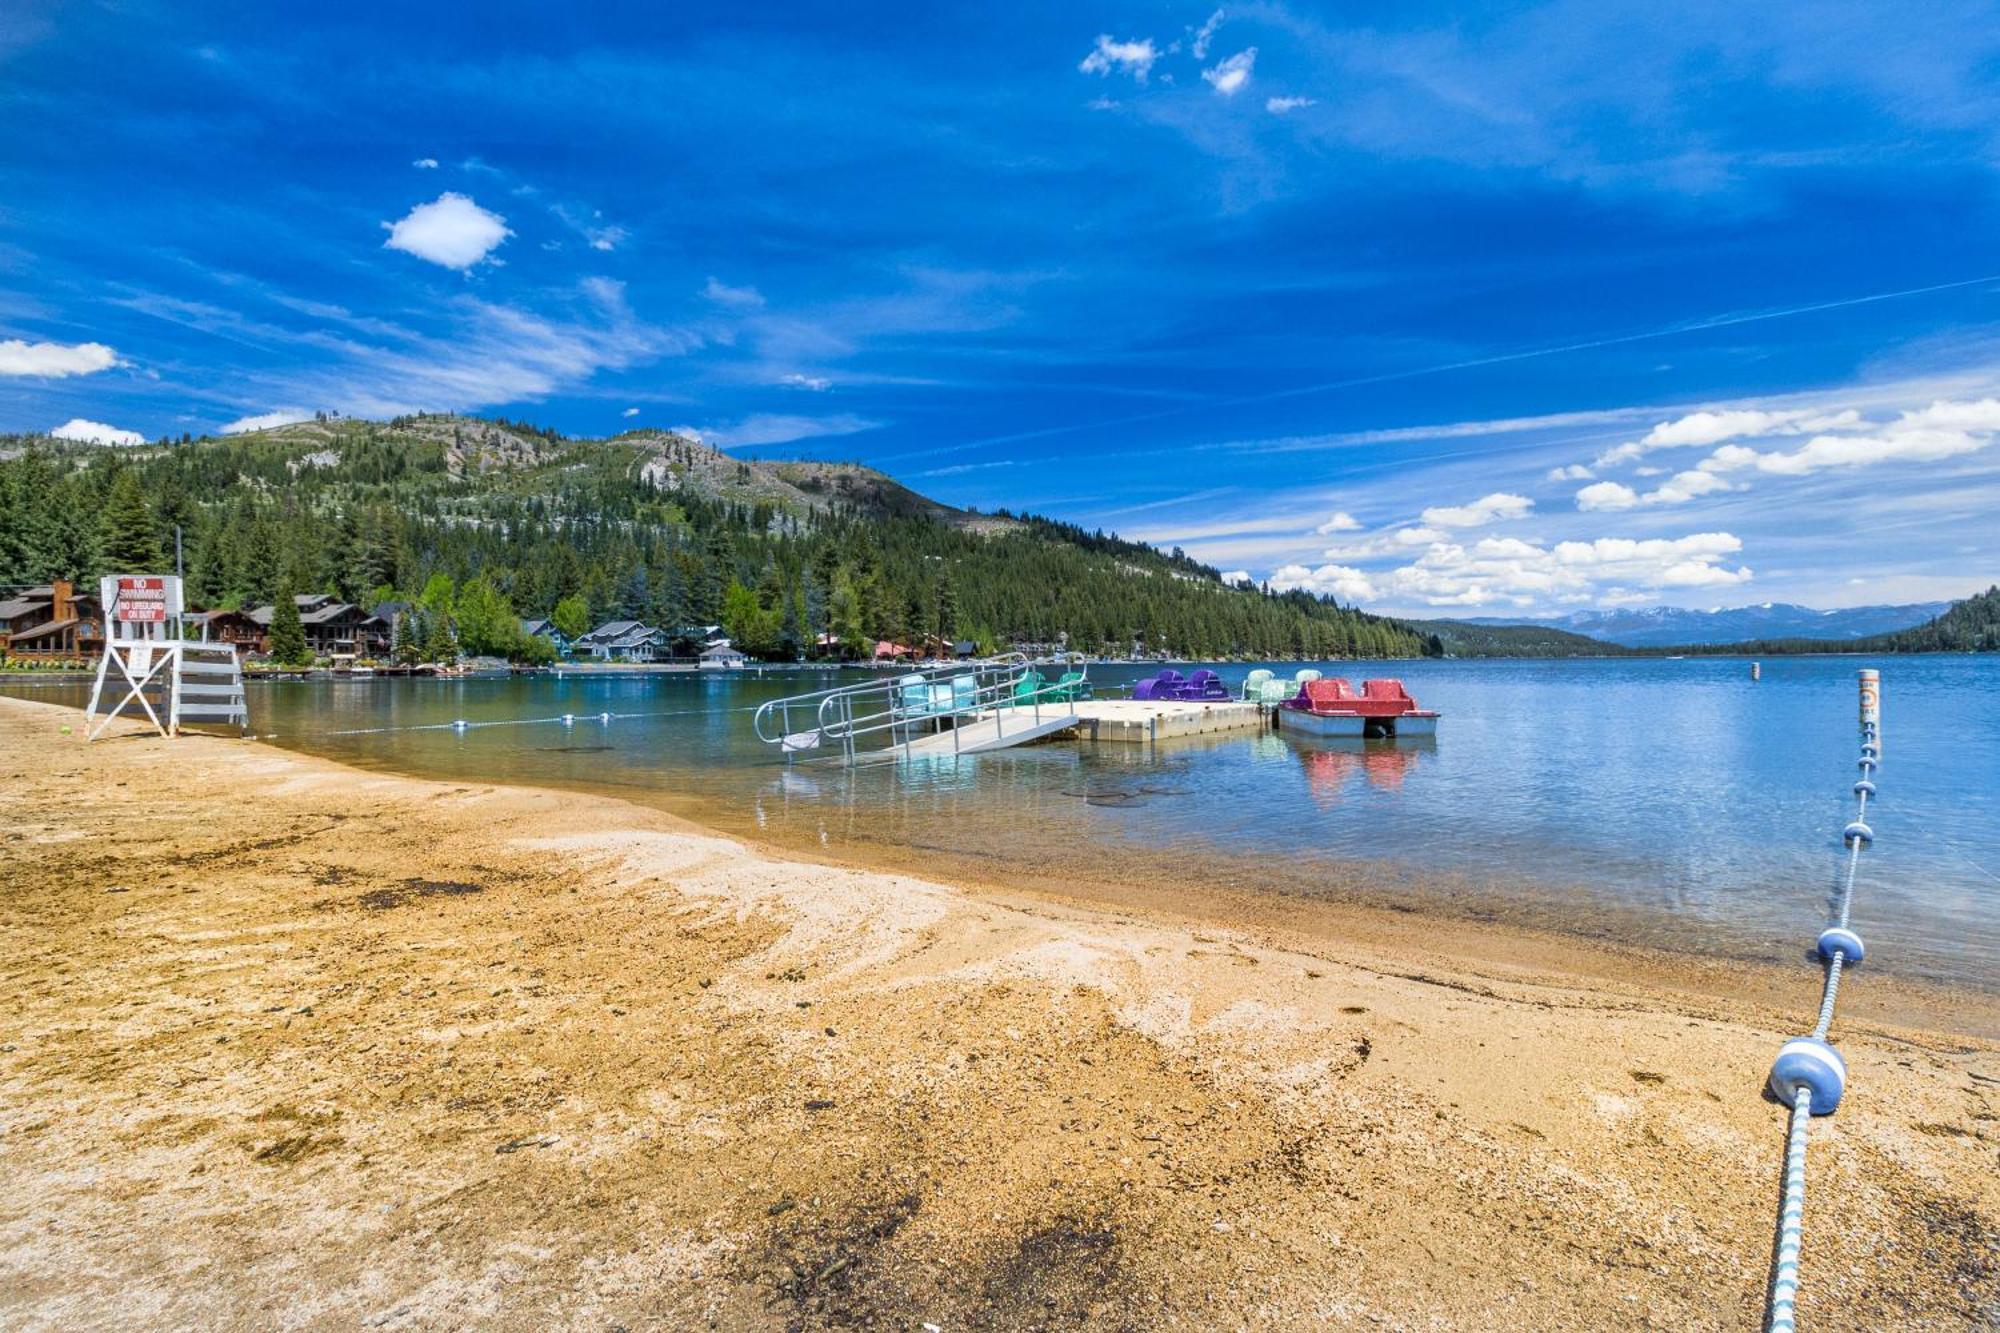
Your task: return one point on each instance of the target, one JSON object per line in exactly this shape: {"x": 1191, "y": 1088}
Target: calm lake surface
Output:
{"x": 1670, "y": 802}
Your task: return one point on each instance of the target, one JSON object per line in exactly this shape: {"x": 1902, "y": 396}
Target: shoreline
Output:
{"x": 305, "y": 1043}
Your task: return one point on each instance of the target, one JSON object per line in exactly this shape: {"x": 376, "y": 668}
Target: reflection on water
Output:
{"x": 1332, "y": 763}
{"x": 1675, "y": 800}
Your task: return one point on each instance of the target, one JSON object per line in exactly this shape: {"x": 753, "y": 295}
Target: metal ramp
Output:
{"x": 1000, "y": 729}
{"x": 946, "y": 710}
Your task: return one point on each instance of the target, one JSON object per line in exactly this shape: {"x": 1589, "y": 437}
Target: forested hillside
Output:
{"x": 1462, "y": 638}
{"x": 648, "y": 525}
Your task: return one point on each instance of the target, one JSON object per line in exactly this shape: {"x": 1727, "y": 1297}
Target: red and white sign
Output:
{"x": 140, "y": 599}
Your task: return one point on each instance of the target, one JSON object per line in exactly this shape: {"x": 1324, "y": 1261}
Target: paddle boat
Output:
{"x": 1332, "y": 708}
{"x": 1170, "y": 685}
{"x": 1264, "y": 686}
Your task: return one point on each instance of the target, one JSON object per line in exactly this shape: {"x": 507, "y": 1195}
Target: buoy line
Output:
{"x": 566, "y": 719}
{"x": 1809, "y": 1075}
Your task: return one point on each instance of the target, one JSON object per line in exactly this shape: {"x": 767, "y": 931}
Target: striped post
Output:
{"x": 1871, "y": 709}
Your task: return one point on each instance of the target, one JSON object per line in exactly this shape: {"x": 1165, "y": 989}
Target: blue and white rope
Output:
{"x": 1791, "y": 1216}
{"x": 1791, "y": 1219}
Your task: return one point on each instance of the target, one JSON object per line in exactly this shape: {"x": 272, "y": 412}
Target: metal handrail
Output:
{"x": 882, "y": 708}
{"x": 777, "y": 713}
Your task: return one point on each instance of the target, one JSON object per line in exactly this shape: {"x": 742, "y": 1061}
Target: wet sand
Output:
{"x": 292, "y": 1045}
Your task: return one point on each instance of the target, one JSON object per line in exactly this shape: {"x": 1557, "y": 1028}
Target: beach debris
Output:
{"x": 819, "y": 1104}
{"x": 532, "y": 1141}
{"x": 380, "y": 899}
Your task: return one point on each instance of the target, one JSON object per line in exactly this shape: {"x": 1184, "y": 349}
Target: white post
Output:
{"x": 1871, "y": 709}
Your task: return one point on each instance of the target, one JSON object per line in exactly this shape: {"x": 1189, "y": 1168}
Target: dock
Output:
{"x": 975, "y": 708}
{"x": 1147, "y": 722}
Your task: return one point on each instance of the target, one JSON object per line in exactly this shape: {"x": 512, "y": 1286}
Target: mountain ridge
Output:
{"x": 1675, "y": 626}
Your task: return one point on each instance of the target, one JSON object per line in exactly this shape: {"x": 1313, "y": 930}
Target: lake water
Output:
{"x": 1676, "y": 802}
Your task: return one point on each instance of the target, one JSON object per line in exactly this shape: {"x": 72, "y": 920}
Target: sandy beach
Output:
{"x": 290, "y": 1045}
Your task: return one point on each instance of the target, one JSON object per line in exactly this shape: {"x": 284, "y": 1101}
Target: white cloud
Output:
{"x": 1700, "y": 429}
{"x": 810, "y": 383}
{"x": 1511, "y": 571}
{"x": 1486, "y": 509}
{"x": 629, "y": 412}
{"x": 451, "y": 231}
{"x": 1677, "y": 489}
{"x": 1204, "y": 35}
{"x": 425, "y": 164}
{"x": 1945, "y": 429}
{"x": 1574, "y": 472}
{"x": 96, "y": 432}
{"x": 1229, "y": 77}
{"x": 54, "y": 360}
{"x": 1606, "y": 495}
{"x": 1340, "y": 581}
{"x": 1685, "y": 486}
{"x": 1342, "y": 521}
{"x": 284, "y": 416}
{"x": 1134, "y": 58}
{"x": 781, "y": 428}
{"x": 723, "y": 294}
{"x": 1397, "y": 542}
{"x": 1279, "y": 106}
{"x": 1236, "y": 576}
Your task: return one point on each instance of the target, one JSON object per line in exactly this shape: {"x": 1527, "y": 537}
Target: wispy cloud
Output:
{"x": 764, "y": 428}
{"x": 742, "y": 298}
{"x": 1205, "y": 34}
{"x": 478, "y": 354}
{"x": 1130, "y": 57}
{"x": 1280, "y": 106}
{"x": 284, "y": 416}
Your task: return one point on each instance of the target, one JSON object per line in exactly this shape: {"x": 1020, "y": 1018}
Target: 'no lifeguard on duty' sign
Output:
{"x": 140, "y": 599}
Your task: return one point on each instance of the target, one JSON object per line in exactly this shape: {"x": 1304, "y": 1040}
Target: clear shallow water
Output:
{"x": 1654, "y": 800}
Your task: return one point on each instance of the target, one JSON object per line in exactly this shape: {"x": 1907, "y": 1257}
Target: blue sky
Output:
{"x": 1562, "y": 305}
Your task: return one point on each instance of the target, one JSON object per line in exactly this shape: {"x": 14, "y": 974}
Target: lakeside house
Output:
{"x": 632, "y": 640}
{"x": 331, "y": 626}
{"x": 232, "y": 627}
{"x": 541, "y": 627}
{"x": 51, "y": 622}
{"x": 722, "y": 657}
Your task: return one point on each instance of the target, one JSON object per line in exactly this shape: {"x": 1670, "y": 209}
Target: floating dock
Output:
{"x": 1146, "y": 722}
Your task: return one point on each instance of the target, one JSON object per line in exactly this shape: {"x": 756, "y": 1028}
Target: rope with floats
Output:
{"x": 1809, "y": 1075}
{"x": 566, "y": 719}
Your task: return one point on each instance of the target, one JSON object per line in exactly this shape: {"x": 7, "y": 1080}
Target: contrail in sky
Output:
{"x": 1329, "y": 386}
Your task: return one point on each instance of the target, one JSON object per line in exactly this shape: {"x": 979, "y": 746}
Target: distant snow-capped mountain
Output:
{"x": 1661, "y": 626}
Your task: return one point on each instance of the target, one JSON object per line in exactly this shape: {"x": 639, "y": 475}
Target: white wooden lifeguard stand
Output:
{"x": 172, "y": 678}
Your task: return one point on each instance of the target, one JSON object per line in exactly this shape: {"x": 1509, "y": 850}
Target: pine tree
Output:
{"x": 288, "y": 631}
{"x": 440, "y": 644}
{"x": 402, "y": 643}
{"x": 947, "y": 608}
{"x": 129, "y": 542}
